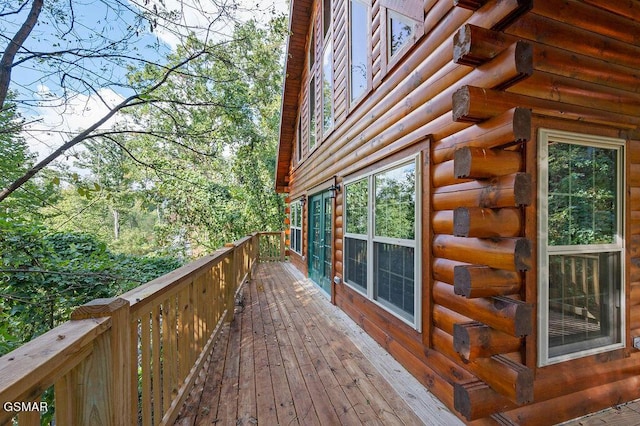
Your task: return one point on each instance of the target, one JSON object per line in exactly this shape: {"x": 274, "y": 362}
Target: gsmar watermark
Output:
{"x": 21, "y": 406}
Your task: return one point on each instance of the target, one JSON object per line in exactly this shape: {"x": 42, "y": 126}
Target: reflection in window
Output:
{"x": 358, "y": 47}
{"x": 581, "y": 262}
{"x": 395, "y": 203}
{"x": 312, "y": 113}
{"x": 400, "y": 30}
{"x": 357, "y": 200}
{"x": 327, "y": 88}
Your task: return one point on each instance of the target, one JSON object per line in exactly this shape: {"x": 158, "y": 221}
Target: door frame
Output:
{"x": 323, "y": 187}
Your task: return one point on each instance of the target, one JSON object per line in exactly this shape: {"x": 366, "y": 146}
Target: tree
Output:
{"x": 90, "y": 54}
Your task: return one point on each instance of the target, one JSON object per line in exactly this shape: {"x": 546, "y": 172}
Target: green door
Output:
{"x": 320, "y": 240}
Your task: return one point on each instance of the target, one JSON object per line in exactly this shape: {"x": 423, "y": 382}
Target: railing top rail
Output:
{"x": 39, "y": 363}
{"x": 145, "y": 294}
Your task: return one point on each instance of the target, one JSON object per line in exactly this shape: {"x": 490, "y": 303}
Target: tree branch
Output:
{"x": 141, "y": 97}
{"x": 9, "y": 54}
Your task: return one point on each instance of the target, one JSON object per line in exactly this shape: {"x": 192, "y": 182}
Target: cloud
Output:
{"x": 57, "y": 120}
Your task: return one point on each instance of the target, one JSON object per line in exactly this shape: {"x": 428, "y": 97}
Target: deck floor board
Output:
{"x": 283, "y": 361}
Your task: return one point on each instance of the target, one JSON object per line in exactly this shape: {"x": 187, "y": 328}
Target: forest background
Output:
{"x": 134, "y": 137}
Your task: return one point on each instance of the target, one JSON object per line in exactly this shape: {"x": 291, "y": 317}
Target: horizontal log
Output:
{"x": 482, "y": 163}
{"x": 443, "y": 175}
{"x": 513, "y": 126}
{"x": 505, "y": 376}
{"x": 552, "y": 32}
{"x": 508, "y": 378}
{"x": 511, "y": 316}
{"x": 564, "y": 89}
{"x": 505, "y": 191}
{"x": 473, "y": 340}
{"x": 629, "y": 9}
{"x": 443, "y": 269}
{"x": 474, "y": 281}
{"x": 512, "y": 254}
{"x": 445, "y": 319}
{"x": 469, "y": 4}
{"x": 442, "y": 222}
{"x": 475, "y": 104}
{"x": 487, "y": 223}
{"x": 589, "y": 18}
{"x": 476, "y": 400}
{"x": 474, "y": 45}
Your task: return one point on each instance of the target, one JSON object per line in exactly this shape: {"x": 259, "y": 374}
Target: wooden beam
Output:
{"x": 476, "y": 400}
{"x": 512, "y": 126}
{"x": 510, "y": 316}
{"x": 481, "y": 222}
{"x": 443, "y": 175}
{"x": 505, "y": 191}
{"x": 473, "y": 340}
{"x": 476, "y": 104}
{"x": 474, "y": 281}
{"x": 443, "y": 269}
{"x": 469, "y": 4}
{"x": 442, "y": 222}
{"x": 512, "y": 254}
{"x": 483, "y": 163}
{"x": 474, "y": 45}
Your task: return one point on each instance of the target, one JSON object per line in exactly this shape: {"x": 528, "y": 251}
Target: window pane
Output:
{"x": 582, "y": 194}
{"x": 394, "y": 277}
{"x": 395, "y": 192}
{"x": 356, "y": 262}
{"x": 400, "y": 31}
{"x": 312, "y": 113}
{"x": 584, "y": 302}
{"x": 327, "y": 88}
{"x": 357, "y": 207}
{"x": 359, "y": 48}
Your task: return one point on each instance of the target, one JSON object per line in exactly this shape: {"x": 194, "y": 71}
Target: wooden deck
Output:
{"x": 290, "y": 357}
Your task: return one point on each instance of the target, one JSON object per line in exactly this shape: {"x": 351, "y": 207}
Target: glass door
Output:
{"x": 320, "y": 240}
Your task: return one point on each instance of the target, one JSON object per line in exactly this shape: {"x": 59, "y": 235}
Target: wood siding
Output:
{"x": 470, "y": 96}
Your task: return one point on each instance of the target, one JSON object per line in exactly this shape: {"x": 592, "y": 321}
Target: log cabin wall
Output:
{"x": 470, "y": 97}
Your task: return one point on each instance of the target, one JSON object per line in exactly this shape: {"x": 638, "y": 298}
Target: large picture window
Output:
{"x": 381, "y": 253}
{"x": 581, "y": 245}
{"x": 296, "y": 226}
{"x": 327, "y": 88}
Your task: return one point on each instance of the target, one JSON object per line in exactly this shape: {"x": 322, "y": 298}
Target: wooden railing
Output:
{"x": 134, "y": 358}
{"x": 272, "y": 246}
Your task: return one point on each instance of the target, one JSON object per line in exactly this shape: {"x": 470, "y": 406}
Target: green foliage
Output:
{"x": 45, "y": 275}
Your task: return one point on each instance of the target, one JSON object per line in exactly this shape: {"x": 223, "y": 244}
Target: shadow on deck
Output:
{"x": 290, "y": 357}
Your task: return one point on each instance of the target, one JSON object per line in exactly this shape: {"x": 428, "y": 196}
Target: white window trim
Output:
{"x": 298, "y": 226}
{"x": 371, "y": 239}
{"x": 544, "y": 135}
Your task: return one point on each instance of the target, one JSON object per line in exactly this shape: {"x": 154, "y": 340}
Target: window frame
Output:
{"x": 410, "y": 9}
{"x": 328, "y": 49}
{"x": 294, "y": 225}
{"x": 544, "y": 251}
{"x": 371, "y": 239}
{"x": 353, "y": 101}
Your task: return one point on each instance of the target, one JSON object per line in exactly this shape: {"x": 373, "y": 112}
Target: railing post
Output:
{"x": 104, "y": 390}
{"x": 282, "y": 246}
{"x": 230, "y": 280}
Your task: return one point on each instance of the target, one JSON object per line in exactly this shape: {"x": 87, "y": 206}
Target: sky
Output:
{"x": 52, "y": 121}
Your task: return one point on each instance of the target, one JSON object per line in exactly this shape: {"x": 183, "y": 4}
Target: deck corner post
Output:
{"x": 106, "y": 388}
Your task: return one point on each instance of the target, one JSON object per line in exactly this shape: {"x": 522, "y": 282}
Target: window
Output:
{"x": 581, "y": 245}
{"x": 326, "y": 18}
{"x": 381, "y": 250}
{"x": 358, "y": 58}
{"x": 312, "y": 113}
{"x": 296, "y": 226}
{"x": 299, "y": 141}
{"x": 401, "y": 31}
{"x": 327, "y": 88}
